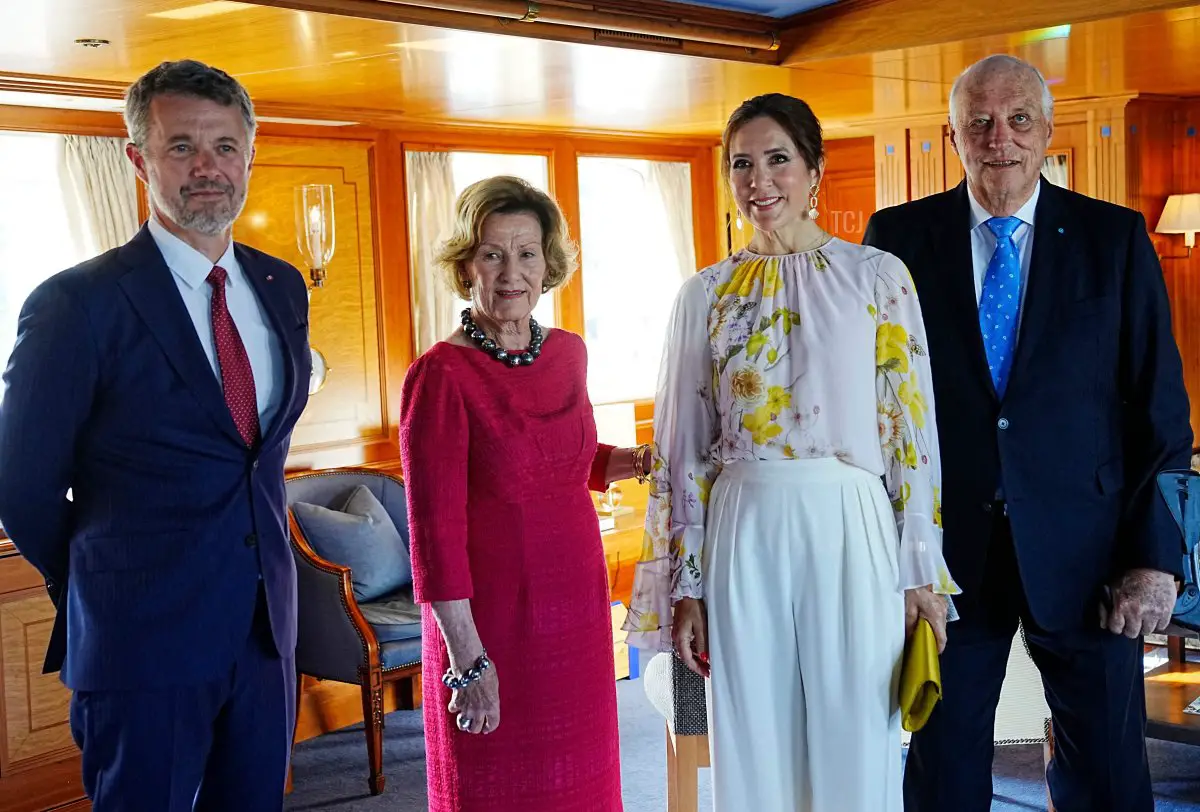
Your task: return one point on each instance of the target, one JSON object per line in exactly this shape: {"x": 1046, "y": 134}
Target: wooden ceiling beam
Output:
{"x": 852, "y": 27}
{"x": 566, "y": 22}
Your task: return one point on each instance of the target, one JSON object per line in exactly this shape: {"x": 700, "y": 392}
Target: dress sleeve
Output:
{"x": 598, "y": 478}
{"x": 908, "y": 428}
{"x": 683, "y": 471}
{"x": 433, "y": 449}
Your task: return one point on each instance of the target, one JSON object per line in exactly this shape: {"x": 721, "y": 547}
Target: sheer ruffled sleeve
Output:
{"x": 908, "y": 430}
{"x": 683, "y": 471}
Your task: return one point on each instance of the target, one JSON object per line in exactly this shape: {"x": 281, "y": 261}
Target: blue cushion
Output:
{"x": 400, "y": 652}
{"x": 360, "y": 536}
{"x": 394, "y": 616}
{"x": 396, "y": 633}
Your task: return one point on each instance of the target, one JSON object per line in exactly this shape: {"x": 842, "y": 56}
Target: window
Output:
{"x": 435, "y": 180}
{"x": 37, "y": 239}
{"x": 638, "y": 248}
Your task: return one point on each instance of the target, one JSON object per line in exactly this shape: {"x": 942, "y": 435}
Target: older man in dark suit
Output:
{"x": 160, "y": 383}
{"x": 1060, "y": 396}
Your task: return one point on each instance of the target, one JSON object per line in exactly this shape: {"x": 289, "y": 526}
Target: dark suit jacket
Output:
{"x": 154, "y": 563}
{"x": 1095, "y": 404}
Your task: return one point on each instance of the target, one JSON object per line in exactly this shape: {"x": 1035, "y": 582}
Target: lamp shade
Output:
{"x": 315, "y": 224}
{"x": 1181, "y": 216}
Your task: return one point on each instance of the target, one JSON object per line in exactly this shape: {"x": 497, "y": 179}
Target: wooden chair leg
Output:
{"x": 672, "y": 774}
{"x": 372, "y": 697}
{"x": 687, "y": 766}
{"x": 1047, "y": 754}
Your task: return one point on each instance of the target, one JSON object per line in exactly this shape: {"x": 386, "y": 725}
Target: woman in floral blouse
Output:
{"x": 793, "y": 533}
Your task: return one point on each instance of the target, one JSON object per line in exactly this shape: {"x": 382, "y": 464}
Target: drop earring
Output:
{"x": 812, "y": 201}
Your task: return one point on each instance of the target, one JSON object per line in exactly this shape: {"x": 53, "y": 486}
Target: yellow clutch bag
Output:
{"x": 920, "y": 678}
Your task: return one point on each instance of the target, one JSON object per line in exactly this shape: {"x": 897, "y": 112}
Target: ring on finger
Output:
{"x": 465, "y": 722}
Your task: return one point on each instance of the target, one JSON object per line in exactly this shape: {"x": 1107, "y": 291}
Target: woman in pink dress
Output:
{"x": 499, "y": 449}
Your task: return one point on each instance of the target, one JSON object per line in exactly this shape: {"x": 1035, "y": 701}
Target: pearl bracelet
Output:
{"x": 472, "y": 674}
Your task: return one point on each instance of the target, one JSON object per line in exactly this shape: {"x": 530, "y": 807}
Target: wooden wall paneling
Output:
{"x": 73, "y": 122}
{"x": 951, "y": 163}
{"x": 39, "y": 763}
{"x": 1150, "y": 126}
{"x": 564, "y": 179}
{"x": 891, "y": 167}
{"x": 927, "y": 161}
{"x": 643, "y": 417}
{"x": 1182, "y": 272}
{"x": 1106, "y": 147}
{"x": 848, "y": 188}
{"x": 705, "y": 211}
{"x": 395, "y": 289}
{"x": 1072, "y": 131}
{"x": 347, "y": 421}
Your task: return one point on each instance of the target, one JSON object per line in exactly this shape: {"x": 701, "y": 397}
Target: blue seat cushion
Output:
{"x": 394, "y": 616}
{"x": 362, "y": 536}
{"x": 400, "y": 652}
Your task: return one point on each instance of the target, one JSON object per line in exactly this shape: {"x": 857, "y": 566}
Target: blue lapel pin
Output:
{"x": 1060, "y": 231}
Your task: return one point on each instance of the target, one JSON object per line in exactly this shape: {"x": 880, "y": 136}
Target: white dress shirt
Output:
{"x": 983, "y": 243}
{"x": 190, "y": 269}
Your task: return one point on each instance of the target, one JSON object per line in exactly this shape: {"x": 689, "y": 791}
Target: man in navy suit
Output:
{"x": 159, "y": 384}
{"x": 1059, "y": 396}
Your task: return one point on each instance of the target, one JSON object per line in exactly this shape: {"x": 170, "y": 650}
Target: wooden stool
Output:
{"x": 678, "y": 695}
{"x": 685, "y": 756}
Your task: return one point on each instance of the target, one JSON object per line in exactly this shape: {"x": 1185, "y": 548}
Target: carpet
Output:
{"x": 330, "y": 772}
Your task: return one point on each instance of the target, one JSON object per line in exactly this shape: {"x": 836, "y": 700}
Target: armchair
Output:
{"x": 339, "y": 638}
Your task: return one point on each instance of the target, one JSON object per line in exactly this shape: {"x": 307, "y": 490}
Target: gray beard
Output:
{"x": 211, "y": 220}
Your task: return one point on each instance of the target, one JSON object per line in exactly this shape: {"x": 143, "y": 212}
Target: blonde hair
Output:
{"x": 506, "y": 195}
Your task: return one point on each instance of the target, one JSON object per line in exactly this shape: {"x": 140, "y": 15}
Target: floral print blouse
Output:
{"x": 819, "y": 354}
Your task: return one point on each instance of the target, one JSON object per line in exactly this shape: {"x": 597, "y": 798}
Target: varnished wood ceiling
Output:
{"x": 310, "y": 65}
{"x": 769, "y": 8}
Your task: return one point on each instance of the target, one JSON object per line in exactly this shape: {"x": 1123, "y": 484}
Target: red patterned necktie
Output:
{"x": 236, "y": 375}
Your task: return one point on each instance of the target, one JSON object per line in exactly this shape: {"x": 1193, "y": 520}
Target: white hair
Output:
{"x": 998, "y": 63}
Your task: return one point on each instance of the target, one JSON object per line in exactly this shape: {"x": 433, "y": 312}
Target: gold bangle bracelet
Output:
{"x": 639, "y": 469}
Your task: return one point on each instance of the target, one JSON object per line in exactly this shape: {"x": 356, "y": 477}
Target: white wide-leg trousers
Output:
{"x": 806, "y": 633}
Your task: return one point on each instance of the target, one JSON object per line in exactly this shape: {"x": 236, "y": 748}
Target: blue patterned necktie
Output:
{"x": 1000, "y": 301}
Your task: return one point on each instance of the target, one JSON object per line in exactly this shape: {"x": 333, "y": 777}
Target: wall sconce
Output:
{"x": 1181, "y": 216}
{"x": 315, "y": 239}
{"x": 315, "y": 229}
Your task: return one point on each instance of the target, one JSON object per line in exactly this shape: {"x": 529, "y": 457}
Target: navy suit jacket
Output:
{"x": 154, "y": 563}
{"x": 1095, "y": 404}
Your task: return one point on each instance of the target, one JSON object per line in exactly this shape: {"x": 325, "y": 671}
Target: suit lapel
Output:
{"x": 151, "y": 289}
{"x": 285, "y": 324}
{"x": 951, "y": 237}
{"x": 1048, "y": 274}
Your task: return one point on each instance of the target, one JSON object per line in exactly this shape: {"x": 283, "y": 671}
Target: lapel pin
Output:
{"x": 272, "y": 279}
{"x": 1060, "y": 231}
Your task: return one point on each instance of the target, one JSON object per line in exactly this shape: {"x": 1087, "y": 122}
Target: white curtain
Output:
{"x": 100, "y": 191}
{"x": 431, "y": 197}
{"x": 672, "y": 182}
